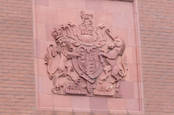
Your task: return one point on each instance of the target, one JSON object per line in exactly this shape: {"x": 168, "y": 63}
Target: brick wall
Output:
{"x": 17, "y": 84}
{"x": 157, "y": 43}
{"x": 17, "y": 87}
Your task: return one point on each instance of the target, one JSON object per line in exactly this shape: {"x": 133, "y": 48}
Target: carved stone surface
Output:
{"x": 85, "y": 59}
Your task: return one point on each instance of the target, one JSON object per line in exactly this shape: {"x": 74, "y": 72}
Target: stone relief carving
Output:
{"x": 85, "y": 60}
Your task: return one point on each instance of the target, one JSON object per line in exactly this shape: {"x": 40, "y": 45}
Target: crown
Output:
{"x": 86, "y": 16}
{"x": 87, "y": 24}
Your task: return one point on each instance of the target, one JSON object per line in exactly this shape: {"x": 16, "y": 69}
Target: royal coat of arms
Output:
{"x": 85, "y": 60}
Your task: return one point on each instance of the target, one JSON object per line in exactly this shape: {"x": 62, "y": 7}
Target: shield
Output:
{"x": 88, "y": 64}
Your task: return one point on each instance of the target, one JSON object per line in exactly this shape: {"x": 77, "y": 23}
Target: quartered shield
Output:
{"x": 88, "y": 64}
